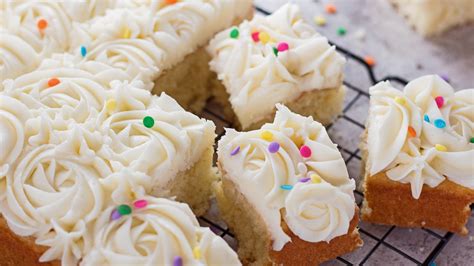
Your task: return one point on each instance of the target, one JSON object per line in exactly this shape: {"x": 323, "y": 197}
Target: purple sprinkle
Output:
{"x": 445, "y": 77}
{"x": 235, "y": 151}
{"x": 177, "y": 261}
{"x": 273, "y": 147}
{"x": 115, "y": 215}
{"x": 304, "y": 180}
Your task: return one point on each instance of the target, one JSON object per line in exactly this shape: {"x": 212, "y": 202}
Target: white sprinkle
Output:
{"x": 360, "y": 34}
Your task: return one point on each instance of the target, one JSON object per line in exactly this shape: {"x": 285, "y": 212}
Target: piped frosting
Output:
{"x": 423, "y": 134}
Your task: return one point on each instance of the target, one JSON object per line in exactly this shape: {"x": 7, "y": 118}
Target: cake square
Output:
{"x": 276, "y": 59}
{"x": 286, "y": 193}
{"x": 432, "y": 17}
{"x": 418, "y": 152}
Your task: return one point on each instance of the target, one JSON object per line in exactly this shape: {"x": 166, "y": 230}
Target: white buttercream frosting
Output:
{"x": 256, "y": 78}
{"x": 260, "y": 174}
{"x": 437, "y": 145}
{"x": 157, "y": 234}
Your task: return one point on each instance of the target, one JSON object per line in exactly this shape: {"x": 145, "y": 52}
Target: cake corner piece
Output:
{"x": 416, "y": 152}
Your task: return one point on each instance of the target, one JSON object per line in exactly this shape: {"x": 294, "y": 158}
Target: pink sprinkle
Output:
{"x": 439, "y": 101}
{"x": 283, "y": 46}
{"x": 255, "y": 36}
{"x": 305, "y": 151}
{"x": 140, "y": 204}
{"x": 115, "y": 215}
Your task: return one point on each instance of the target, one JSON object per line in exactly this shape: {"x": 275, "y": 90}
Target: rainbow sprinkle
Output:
{"x": 439, "y": 101}
{"x": 304, "y": 180}
{"x": 264, "y": 37}
{"x": 426, "y": 118}
{"x": 140, "y": 204}
{"x": 53, "y": 82}
{"x": 124, "y": 209}
{"x": 115, "y": 215}
{"x": 286, "y": 187}
{"x": 267, "y": 135}
{"x": 411, "y": 131}
{"x": 197, "y": 252}
{"x": 440, "y": 123}
{"x": 305, "y": 151}
{"x": 235, "y": 151}
{"x": 275, "y": 51}
{"x": 42, "y": 24}
{"x": 83, "y": 51}
{"x": 440, "y": 147}
{"x": 178, "y": 261}
{"x": 341, "y": 31}
{"x": 234, "y": 33}
{"x": 316, "y": 179}
{"x": 472, "y": 140}
{"x": 283, "y": 46}
{"x": 273, "y": 147}
{"x": 330, "y": 9}
{"x": 255, "y": 36}
{"x": 148, "y": 121}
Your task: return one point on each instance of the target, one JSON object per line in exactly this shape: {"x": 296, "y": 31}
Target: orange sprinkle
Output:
{"x": 170, "y": 2}
{"x": 369, "y": 60}
{"x": 331, "y": 9}
{"x": 42, "y": 24}
{"x": 411, "y": 131}
{"x": 53, "y": 82}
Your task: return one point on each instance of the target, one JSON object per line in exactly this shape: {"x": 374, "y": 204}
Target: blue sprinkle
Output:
{"x": 426, "y": 118}
{"x": 439, "y": 123}
{"x": 83, "y": 51}
{"x": 286, "y": 187}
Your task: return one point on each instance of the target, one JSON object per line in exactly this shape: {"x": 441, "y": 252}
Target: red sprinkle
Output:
{"x": 255, "y": 37}
{"x": 283, "y": 46}
{"x": 140, "y": 204}
{"x": 42, "y": 24}
{"x": 411, "y": 131}
{"x": 53, "y": 82}
{"x": 439, "y": 101}
{"x": 305, "y": 151}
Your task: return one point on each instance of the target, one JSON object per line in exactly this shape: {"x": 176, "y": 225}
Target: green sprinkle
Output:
{"x": 124, "y": 209}
{"x": 234, "y": 33}
{"x": 472, "y": 140}
{"x": 148, "y": 121}
{"x": 341, "y": 31}
{"x": 275, "y": 51}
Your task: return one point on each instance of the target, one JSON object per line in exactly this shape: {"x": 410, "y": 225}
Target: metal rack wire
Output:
{"x": 351, "y": 155}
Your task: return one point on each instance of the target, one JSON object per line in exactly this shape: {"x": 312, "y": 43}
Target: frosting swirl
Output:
{"x": 251, "y": 70}
{"x": 266, "y": 163}
{"x": 175, "y": 133}
{"x": 54, "y": 192}
{"x": 422, "y": 135}
{"x": 16, "y": 56}
{"x": 318, "y": 212}
{"x": 143, "y": 237}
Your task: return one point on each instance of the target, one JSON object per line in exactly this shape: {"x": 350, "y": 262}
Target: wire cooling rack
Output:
{"x": 411, "y": 246}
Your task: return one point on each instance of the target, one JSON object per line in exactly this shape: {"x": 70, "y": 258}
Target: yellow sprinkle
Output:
{"x": 111, "y": 105}
{"x": 440, "y": 147}
{"x": 197, "y": 253}
{"x": 264, "y": 37}
{"x": 316, "y": 179}
{"x": 400, "y": 100}
{"x": 267, "y": 135}
{"x": 320, "y": 20}
{"x": 126, "y": 33}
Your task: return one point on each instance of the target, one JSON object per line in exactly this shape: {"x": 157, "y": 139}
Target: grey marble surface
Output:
{"x": 398, "y": 51}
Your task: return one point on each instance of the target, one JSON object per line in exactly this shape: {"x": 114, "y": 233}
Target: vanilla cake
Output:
{"x": 418, "y": 151}
{"x": 75, "y": 142}
{"x": 286, "y": 193}
{"x": 431, "y": 17}
{"x": 157, "y": 42}
{"x": 276, "y": 59}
